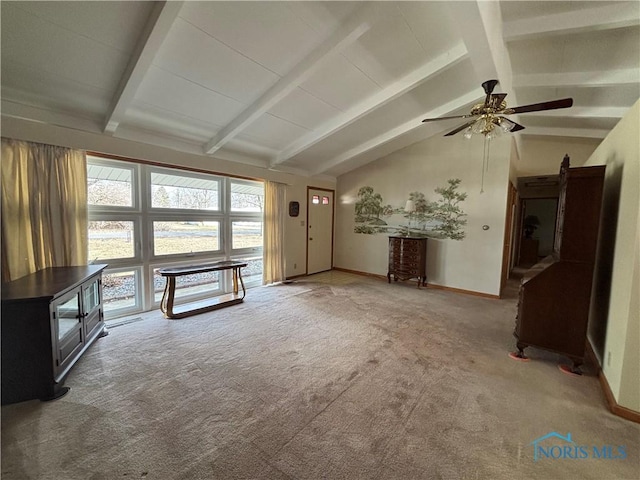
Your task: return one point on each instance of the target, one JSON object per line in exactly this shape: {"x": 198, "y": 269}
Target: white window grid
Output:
{"x": 142, "y": 214}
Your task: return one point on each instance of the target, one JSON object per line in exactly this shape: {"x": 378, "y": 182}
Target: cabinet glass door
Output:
{"x": 68, "y": 316}
{"x": 91, "y": 297}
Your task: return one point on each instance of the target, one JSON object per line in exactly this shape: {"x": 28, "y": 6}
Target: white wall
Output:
{"x": 542, "y": 155}
{"x": 295, "y": 234}
{"x": 472, "y": 264}
{"x": 620, "y": 152}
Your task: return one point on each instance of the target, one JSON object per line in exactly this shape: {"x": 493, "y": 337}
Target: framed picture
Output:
{"x": 294, "y": 209}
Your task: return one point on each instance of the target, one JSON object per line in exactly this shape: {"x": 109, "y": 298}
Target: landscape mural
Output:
{"x": 441, "y": 218}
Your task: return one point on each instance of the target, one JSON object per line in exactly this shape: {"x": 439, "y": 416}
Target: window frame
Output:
{"x": 178, "y": 256}
{"x": 135, "y": 191}
{"x": 187, "y": 174}
{"x": 143, "y": 214}
{"x": 138, "y": 295}
{"x": 137, "y": 242}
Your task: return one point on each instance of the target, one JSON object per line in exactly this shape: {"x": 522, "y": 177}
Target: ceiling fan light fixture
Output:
{"x": 505, "y": 124}
{"x": 480, "y": 125}
{"x": 493, "y": 133}
{"x": 489, "y": 120}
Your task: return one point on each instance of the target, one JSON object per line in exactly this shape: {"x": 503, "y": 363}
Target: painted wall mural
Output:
{"x": 442, "y": 218}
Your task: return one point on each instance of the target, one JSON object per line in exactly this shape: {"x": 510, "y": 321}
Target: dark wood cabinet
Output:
{"x": 407, "y": 259}
{"x": 49, "y": 319}
{"x": 528, "y": 251}
{"x": 554, "y": 296}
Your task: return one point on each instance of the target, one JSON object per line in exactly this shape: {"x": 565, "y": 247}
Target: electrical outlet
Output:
{"x": 295, "y": 266}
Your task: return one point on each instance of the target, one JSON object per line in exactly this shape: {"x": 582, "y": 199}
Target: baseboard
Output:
{"x": 297, "y": 276}
{"x": 429, "y": 285}
{"x": 614, "y": 408}
{"x": 465, "y": 292}
{"x": 364, "y": 274}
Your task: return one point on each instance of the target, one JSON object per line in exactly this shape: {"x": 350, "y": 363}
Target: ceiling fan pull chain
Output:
{"x": 485, "y": 160}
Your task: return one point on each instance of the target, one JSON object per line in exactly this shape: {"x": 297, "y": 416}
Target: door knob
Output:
{"x": 310, "y": 238}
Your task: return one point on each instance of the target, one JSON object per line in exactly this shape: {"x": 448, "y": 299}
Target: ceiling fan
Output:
{"x": 487, "y": 117}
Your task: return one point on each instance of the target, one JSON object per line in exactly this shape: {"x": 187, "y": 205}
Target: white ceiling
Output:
{"x": 314, "y": 87}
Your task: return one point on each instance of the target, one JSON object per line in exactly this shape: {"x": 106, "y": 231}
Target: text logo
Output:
{"x": 554, "y": 446}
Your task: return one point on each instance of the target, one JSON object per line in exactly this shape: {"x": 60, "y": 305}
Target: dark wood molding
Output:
{"x": 297, "y": 276}
{"x": 463, "y": 291}
{"x": 109, "y": 156}
{"x": 429, "y": 285}
{"x": 614, "y": 408}
{"x": 364, "y": 274}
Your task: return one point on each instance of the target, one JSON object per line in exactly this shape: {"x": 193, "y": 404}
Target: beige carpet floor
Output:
{"x": 335, "y": 376}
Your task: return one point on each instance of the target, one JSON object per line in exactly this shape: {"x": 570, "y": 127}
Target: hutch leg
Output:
{"x": 575, "y": 368}
{"x": 520, "y": 352}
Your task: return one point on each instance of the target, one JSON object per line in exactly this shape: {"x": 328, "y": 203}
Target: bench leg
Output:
{"x": 235, "y": 281}
{"x": 166, "y": 304}
{"x": 244, "y": 292}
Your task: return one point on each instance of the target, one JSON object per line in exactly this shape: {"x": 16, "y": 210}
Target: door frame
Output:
{"x": 333, "y": 221}
{"x": 509, "y": 234}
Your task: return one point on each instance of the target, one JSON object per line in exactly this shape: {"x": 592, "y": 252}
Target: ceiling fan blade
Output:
{"x": 459, "y": 129}
{"x": 516, "y": 127}
{"x": 446, "y": 118}
{"x": 536, "y": 107}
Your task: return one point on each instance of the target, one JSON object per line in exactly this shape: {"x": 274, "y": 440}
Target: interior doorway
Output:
{"x": 320, "y": 210}
{"x": 538, "y": 229}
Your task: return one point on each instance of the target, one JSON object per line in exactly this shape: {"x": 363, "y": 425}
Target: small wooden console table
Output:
{"x": 166, "y": 305}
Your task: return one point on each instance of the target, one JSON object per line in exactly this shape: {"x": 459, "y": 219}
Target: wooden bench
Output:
{"x": 168, "y": 297}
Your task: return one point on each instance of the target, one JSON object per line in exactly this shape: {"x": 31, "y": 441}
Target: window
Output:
{"x": 143, "y": 218}
{"x": 189, "y": 285}
{"x": 119, "y": 291}
{"x": 184, "y": 192}
{"x": 315, "y": 199}
{"x": 170, "y": 238}
{"x": 252, "y": 273}
{"x": 325, "y": 200}
{"x": 246, "y": 234}
{"x": 108, "y": 185}
{"x": 247, "y": 197}
{"x": 111, "y": 239}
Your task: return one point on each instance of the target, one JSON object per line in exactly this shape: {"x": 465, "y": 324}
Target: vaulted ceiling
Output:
{"x": 314, "y": 87}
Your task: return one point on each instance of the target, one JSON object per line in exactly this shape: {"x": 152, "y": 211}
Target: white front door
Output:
{"x": 319, "y": 230}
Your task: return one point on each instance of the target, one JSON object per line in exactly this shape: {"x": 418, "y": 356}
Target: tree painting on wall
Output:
{"x": 442, "y": 218}
{"x": 369, "y": 210}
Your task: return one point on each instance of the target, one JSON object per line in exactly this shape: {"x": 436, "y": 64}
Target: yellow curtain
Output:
{"x": 44, "y": 207}
{"x": 274, "y": 210}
